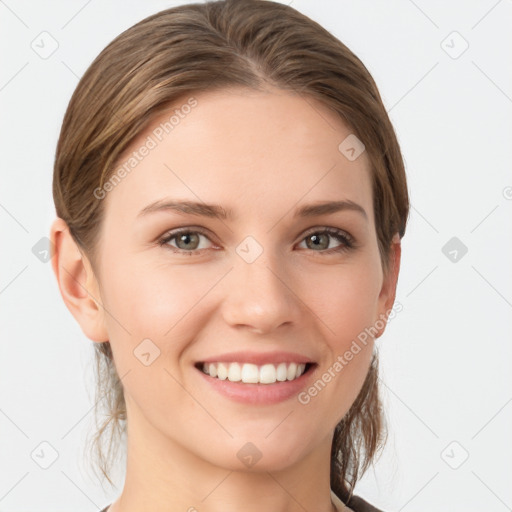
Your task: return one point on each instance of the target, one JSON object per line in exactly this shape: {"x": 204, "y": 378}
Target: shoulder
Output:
{"x": 355, "y": 504}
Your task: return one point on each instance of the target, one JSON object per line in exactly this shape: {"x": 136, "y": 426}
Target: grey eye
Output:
{"x": 320, "y": 241}
{"x": 187, "y": 241}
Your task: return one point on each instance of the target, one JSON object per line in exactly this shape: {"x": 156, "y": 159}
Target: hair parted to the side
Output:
{"x": 218, "y": 45}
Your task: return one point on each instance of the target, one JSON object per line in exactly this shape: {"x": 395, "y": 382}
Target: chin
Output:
{"x": 261, "y": 451}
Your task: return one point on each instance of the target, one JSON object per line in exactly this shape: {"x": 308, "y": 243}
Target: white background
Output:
{"x": 445, "y": 359}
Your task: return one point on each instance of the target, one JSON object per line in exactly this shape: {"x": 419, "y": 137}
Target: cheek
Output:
{"x": 345, "y": 301}
{"x": 148, "y": 301}
{"x": 345, "y": 304}
{"x": 153, "y": 313}
{"x": 151, "y": 298}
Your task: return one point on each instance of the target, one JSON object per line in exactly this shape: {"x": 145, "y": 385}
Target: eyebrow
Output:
{"x": 218, "y": 212}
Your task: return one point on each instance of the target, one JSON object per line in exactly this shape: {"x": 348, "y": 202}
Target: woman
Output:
{"x": 230, "y": 199}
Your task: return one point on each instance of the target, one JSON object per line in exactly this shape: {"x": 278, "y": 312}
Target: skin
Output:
{"x": 261, "y": 154}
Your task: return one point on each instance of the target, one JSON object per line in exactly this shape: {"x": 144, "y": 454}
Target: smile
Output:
{"x": 253, "y": 374}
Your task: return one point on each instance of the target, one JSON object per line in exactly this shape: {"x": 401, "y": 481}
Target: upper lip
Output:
{"x": 259, "y": 358}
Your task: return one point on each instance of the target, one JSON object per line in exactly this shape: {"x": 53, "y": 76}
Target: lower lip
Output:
{"x": 259, "y": 393}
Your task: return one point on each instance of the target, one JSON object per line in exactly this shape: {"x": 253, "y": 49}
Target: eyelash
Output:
{"x": 346, "y": 240}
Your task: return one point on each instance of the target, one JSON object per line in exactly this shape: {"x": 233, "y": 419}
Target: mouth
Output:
{"x": 248, "y": 373}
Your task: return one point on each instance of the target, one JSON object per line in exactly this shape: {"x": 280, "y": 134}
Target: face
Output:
{"x": 258, "y": 280}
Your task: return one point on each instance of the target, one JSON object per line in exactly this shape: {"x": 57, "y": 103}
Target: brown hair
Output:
{"x": 216, "y": 45}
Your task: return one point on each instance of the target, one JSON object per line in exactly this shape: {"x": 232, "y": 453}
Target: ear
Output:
{"x": 388, "y": 291}
{"x": 77, "y": 283}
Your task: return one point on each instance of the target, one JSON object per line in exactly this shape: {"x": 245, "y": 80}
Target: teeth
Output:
{"x": 253, "y": 374}
{"x": 282, "y": 372}
{"x": 222, "y": 371}
{"x": 250, "y": 374}
{"x": 234, "y": 372}
{"x": 292, "y": 371}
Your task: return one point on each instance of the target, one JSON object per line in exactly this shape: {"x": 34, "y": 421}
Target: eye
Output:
{"x": 320, "y": 239}
{"x": 187, "y": 240}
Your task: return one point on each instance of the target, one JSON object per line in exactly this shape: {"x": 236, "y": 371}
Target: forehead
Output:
{"x": 238, "y": 145}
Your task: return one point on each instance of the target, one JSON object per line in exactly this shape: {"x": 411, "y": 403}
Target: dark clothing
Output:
{"x": 357, "y": 504}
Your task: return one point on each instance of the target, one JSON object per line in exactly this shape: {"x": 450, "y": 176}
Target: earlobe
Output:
{"x": 77, "y": 284}
{"x": 388, "y": 290}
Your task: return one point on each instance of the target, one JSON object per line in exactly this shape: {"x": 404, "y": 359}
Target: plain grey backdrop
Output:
{"x": 444, "y": 70}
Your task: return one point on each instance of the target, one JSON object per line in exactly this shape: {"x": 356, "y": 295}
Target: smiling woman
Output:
{"x": 233, "y": 262}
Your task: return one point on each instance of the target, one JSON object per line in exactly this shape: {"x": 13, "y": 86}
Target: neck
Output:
{"x": 164, "y": 476}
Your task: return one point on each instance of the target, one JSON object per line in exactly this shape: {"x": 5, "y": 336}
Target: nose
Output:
{"x": 260, "y": 296}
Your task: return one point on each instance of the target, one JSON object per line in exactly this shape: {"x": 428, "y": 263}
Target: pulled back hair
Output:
{"x": 211, "y": 46}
